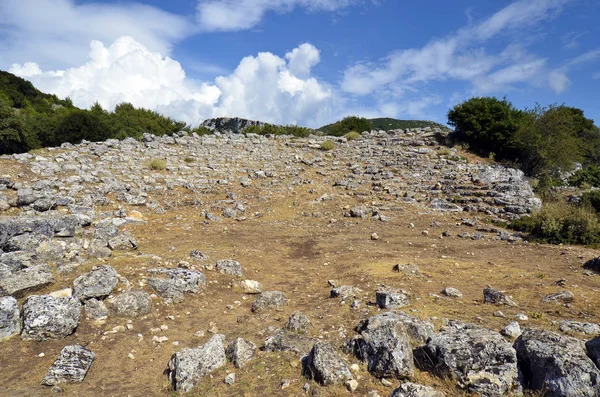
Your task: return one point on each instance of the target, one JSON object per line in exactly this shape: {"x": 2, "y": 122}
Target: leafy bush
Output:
{"x": 270, "y": 129}
{"x": 352, "y": 135}
{"x": 327, "y": 145}
{"x": 344, "y": 126}
{"x": 586, "y": 176}
{"x": 592, "y": 200}
{"x": 559, "y": 222}
{"x": 157, "y": 164}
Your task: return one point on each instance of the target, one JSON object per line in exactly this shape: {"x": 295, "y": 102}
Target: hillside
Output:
{"x": 22, "y": 93}
{"x": 145, "y": 259}
{"x": 388, "y": 124}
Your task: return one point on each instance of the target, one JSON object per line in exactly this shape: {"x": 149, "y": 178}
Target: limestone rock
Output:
{"x": 556, "y": 363}
{"x": 563, "y": 297}
{"x": 512, "y": 330}
{"x": 96, "y": 309}
{"x": 98, "y": 283}
{"x": 282, "y": 340}
{"x": 26, "y": 280}
{"x": 71, "y": 366}
{"x": 240, "y": 352}
{"x": 579, "y": 327}
{"x": 325, "y": 366}
{"x": 409, "y": 389}
{"x": 187, "y": 367}
{"x": 175, "y": 282}
{"x": 251, "y": 287}
{"x": 391, "y": 299}
{"x": 298, "y": 322}
{"x": 131, "y": 303}
{"x": 491, "y": 295}
{"x": 269, "y": 300}
{"x": 346, "y": 292}
{"x": 45, "y": 317}
{"x": 10, "y": 320}
{"x": 229, "y": 266}
{"x": 482, "y": 361}
{"x": 418, "y": 330}
{"x": 452, "y": 292}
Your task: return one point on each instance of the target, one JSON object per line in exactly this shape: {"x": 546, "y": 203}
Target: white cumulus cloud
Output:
{"x": 265, "y": 87}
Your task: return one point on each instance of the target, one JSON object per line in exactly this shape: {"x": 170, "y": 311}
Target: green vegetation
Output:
{"x": 327, "y": 145}
{"x": 346, "y": 125}
{"x": 157, "y": 164}
{"x": 270, "y": 129}
{"x": 352, "y": 135}
{"x": 387, "y": 124}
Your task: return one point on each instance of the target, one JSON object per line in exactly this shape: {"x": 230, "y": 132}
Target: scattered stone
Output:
{"x": 351, "y": 385}
{"x": 229, "y": 266}
{"x": 96, "y": 309}
{"x": 557, "y": 364}
{"x": 325, "y": 366}
{"x": 391, "y": 299}
{"x": 269, "y": 300}
{"x": 493, "y": 296}
{"x": 410, "y": 389}
{"x": 196, "y": 254}
{"x": 418, "y": 330}
{"x": 45, "y": 317}
{"x": 512, "y": 330}
{"x": 71, "y": 366}
{"x": 593, "y": 265}
{"x": 359, "y": 212}
{"x": 123, "y": 242}
{"x": 229, "y": 379}
{"x": 408, "y": 269}
{"x": 452, "y": 292}
{"x": 251, "y": 287}
{"x": 240, "y": 352}
{"x": 188, "y": 366}
{"x": 374, "y": 236}
{"x": 10, "y": 320}
{"x": 298, "y": 323}
{"x": 131, "y": 303}
{"x": 99, "y": 283}
{"x": 175, "y": 282}
{"x": 579, "y": 327}
{"x": 26, "y": 280}
{"x": 482, "y": 361}
{"x": 498, "y": 313}
{"x": 562, "y": 297}
{"x": 346, "y": 292}
{"x": 282, "y": 340}
{"x": 521, "y": 317}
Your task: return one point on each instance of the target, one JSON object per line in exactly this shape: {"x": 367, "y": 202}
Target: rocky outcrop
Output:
{"x": 231, "y": 125}
{"x": 410, "y": 389}
{"x": 325, "y": 366}
{"x": 239, "y": 352}
{"x": 557, "y": 364}
{"x": 26, "y": 280}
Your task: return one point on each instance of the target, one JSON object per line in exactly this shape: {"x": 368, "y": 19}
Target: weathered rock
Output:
{"x": 593, "y": 350}
{"x": 176, "y": 282}
{"x": 298, "y": 322}
{"x": 359, "y": 212}
{"x": 593, "y": 265}
{"x": 452, "y": 292}
{"x": 269, "y": 300}
{"x": 391, "y": 299}
{"x": 96, "y": 309}
{"x": 384, "y": 344}
{"x": 282, "y": 340}
{"x": 418, "y": 330}
{"x": 563, "y": 297}
{"x": 491, "y": 295}
{"x": 98, "y": 283}
{"x": 482, "y": 361}
{"x": 557, "y": 364}
{"x": 251, "y": 287}
{"x": 229, "y": 266}
{"x": 123, "y": 242}
{"x": 409, "y": 389}
{"x": 46, "y": 317}
{"x": 240, "y": 352}
{"x": 579, "y": 327}
{"x": 71, "y": 366}
{"x": 26, "y": 280}
{"x": 188, "y": 366}
{"x": 325, "y": 366}
{"x": 131, "y": 303}
{"x": 512, "y": 330}
{"x": 10, "y": 320}
{"x": 346, "y": 292}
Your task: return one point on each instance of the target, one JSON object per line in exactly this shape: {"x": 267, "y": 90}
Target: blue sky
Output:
{"x": 306, "y": 61}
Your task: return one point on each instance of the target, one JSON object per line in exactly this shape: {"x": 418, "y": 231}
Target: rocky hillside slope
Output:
{"x": 245, "y": 265}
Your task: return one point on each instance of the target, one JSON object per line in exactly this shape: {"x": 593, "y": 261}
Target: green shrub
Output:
{"x": 592, "y": 200}
{"x": 352, "y": 135}
{"x": 560, "y": 222}
{"x": 189, "y": 159}
{"x": 350, "y": 123}
{"x": 327, "y": 145}
{"x": 586, "y": 176}
{"x": 157, "y": 164}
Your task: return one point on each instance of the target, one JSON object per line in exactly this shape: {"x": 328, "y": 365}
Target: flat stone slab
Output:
{"x": 71, "y": 366}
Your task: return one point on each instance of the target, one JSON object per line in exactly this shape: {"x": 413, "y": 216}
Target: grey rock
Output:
{"x": 96, "y": 309}
{"x": 298, "y": 322}
{"x": 188, "y": 366}
{"x": 384, "y": 344}
{"x": 10, "y": 320}
{"x": 346, "y": 292}
{"x": 123, "y": 242}
{"x": 197, "y": 254}
{"x": 360, "y": 212}
{"x": 408, "y": 269}
{"x": 239, "y": 352}
{"x": 418, "y": 330}
{"x": 593, "y": 350}
{"x": 131, "y": 303}
{"x": 98, "y": 283}
{"x": 229, "y": 266}
{"x": 452, "y": 292}
{"x": 251, "y": 287}
{"x": 576, "y": 326}
{"x": 269, "y": 300}
{"x": 282, "y": 340}
{"x": 482, "y": 361}
{"x": 512, "y": 330}
{"x": 46, "y": 317}
{"x": 325, "y": 366}
{"x": 229, "y": 213}
{"x": 557, "y": 364}
{"x": 563, "y": 297}
{"x": 229, "y": 379}
{"x": 176, "y": 282}
{"x": 443, "y": 205}
{"x": 26, "y": 280}
{"x": 409, "y": 389}
{"x": 71, "y": 366}
{"x": 493, "y": 296}
{"x": 593, "y": 265}
{"x": 391, "y": 299}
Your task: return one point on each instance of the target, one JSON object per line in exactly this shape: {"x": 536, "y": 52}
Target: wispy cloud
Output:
{"x": 570, "y": 40}
{"x": 558, "y": 78}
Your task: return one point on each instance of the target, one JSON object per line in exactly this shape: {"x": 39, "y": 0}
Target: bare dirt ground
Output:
{"x": 287, "y": 247}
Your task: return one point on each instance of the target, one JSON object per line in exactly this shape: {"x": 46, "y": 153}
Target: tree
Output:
{"x": 12, "y": 129}
{"x": 79, "y": 125}
{"x": 350, "y": 123}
